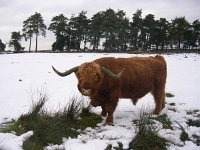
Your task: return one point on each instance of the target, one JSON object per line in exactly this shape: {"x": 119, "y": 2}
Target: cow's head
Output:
{"x": 89, "y": 76}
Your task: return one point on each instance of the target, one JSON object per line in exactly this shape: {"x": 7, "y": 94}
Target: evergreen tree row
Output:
{"x": 112, "y": 31}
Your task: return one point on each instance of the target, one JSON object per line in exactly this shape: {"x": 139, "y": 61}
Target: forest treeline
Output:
{"x": 110, "y": 31}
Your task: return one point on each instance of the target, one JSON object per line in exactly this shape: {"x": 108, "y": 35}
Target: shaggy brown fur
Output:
{"x": 141, "y": 76}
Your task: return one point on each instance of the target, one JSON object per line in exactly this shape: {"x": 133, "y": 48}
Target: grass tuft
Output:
{"x": 147, "y": 137}
{"x": 88, "y": 119}
{"x": 195, "y": 123}
{"x": 172, "y": 104}
{"x": 70, "y": 111}
{"x": 119, "y": 147}
{"x": 184, "y": 135}
{"x": 50, "y": 128}
{"x": 149, "y": 140}
{"x": 195, "y": 113}
{"x": 87, "y": 110}
{"x": 164, "y": 120}
{"x": 196, "y": 139}
{"x": 27, "y": 122}
{"x": 169, "y": 95}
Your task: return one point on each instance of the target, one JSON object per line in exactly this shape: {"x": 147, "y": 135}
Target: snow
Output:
{"x": 24, "y": 76}
{"x": 9, "y": 141}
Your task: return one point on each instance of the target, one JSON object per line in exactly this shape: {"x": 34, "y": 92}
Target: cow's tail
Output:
{"x": 162, "y": 59}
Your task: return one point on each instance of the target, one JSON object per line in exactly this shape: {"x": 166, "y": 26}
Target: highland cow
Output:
{"x": 105, "y": 80}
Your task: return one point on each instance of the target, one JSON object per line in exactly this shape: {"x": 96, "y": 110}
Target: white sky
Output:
{"x": 14, "y": 12}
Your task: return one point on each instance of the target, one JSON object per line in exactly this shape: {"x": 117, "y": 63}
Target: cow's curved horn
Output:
{"x": 66, "y": 73}
{"x": 109, "y": 73}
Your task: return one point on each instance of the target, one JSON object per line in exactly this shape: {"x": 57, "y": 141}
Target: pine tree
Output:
{"x": 78, "y": 25}
{"x": 2, "y": 46}
{"x": 95, "y": 30}
{"x": 34, "y": 25}
{"x": 179, "y": 27}
{"x": 135, "y": 30}
{"x": 59, "y": 25}
{"x": 15, "y": 41}
{"x": 28, "y": 30}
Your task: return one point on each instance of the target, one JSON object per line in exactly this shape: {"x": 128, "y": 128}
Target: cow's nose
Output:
{"x": 86, "y": 92}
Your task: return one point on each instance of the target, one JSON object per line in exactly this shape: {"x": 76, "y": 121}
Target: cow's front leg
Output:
{"x": 104, "y": 110}
{"x": 110, "y": 106}
{"x": 110, "y": 109}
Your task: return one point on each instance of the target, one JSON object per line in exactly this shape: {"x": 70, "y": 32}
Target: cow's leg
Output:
{"x": 110, "y": 106}
{"x": 104, "y": 110}
{"x": 163, "y": 102}
{"x": 159, "y": 96}
{"x": 110, "y": 109}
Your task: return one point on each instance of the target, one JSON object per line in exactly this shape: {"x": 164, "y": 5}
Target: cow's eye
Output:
{"x": 97, "y": 77}
{"x": 79, "y": 80}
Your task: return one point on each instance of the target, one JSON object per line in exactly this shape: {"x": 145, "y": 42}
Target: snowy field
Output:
{"x": 24, "y": 76}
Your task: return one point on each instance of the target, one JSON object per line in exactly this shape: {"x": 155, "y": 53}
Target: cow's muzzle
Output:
{"x": 86, "y": 92}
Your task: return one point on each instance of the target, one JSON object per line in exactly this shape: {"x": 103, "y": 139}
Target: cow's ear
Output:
{"x": 77, "y": 74}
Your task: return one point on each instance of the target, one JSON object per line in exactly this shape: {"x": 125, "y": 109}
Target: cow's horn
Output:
{"x": 66, "y": 73}
{"x": 108, "y": 72}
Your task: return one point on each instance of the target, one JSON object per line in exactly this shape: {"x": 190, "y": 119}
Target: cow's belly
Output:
{"x": 135, "y": 93}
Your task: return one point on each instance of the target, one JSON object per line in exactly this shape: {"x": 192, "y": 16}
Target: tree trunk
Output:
{"x": 85, "y": 42}
{"x": 162, "y": 45}
{"x": 93, "y": 47}
{"x": 95, "y": 43}
{"x": 179, "y": 45}
{"x": 30, "y": 45}
{"x": 156, "y": 46}
{"x": 36, "y": 43}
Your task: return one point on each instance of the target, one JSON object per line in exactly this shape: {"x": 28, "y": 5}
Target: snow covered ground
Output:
{"x": 24, "y": 76}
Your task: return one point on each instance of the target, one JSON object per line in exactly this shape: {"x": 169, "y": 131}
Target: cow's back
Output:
{"x": 141, "y": 75}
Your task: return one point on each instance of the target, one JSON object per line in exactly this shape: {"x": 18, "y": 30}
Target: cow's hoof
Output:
{"x": 109, "y": 120}
{"x": 109, "y": 123}
{"x": 157, "y": 112}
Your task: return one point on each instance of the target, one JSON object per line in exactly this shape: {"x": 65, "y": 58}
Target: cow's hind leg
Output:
{"x": 159, "y": 97}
